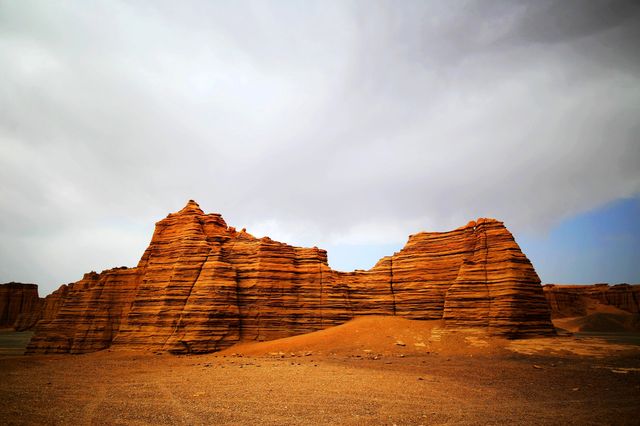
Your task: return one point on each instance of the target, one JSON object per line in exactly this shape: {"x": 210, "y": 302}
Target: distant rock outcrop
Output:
{"x": 201, "y": 286}
{"x": 578, "y": 300}
{"x": 19, "y": 305}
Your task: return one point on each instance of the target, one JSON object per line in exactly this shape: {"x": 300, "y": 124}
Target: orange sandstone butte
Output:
{"x": 19, "y": 305}
{"x": 202, "y": 286}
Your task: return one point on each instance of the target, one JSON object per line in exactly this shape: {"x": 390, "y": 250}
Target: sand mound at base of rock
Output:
{"x": 376, "y": 337}
{"x": 369, "y": 336}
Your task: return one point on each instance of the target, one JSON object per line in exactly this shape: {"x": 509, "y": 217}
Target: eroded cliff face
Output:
{"x": 19, "y": 305}
{"x": 201, "y": 286}
{"x": 578, "y": 300}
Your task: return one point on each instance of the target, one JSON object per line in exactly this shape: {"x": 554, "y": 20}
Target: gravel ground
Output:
{"x": 112, "y": 387}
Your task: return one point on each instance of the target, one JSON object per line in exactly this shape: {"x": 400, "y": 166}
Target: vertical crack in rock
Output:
{"x": 321, "y": 295}
{"x": 179, "y": 323}
{"x": 393, "y": 294}
{"x": 239, "y": 306}
{"x": 349, "y": 304}
{"x": 226, "y": 251}
{"x": 22, "y": 302}
{"x": 486, "y": 273}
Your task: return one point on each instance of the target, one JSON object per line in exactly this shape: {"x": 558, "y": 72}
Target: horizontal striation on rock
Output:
{"x": 85, "y": 316}
{"x": 201, "y": 286}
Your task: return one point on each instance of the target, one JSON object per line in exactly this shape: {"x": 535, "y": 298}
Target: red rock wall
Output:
{"x": 86, "y": 316}
{"x": 28, "y": 320}
{"x": 19, "y": 305}
{"x": 201, "y": 286}
{"x": 574, "y": 300}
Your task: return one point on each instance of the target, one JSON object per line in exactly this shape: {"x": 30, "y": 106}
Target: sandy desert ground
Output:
{"x": 373, "y": 370}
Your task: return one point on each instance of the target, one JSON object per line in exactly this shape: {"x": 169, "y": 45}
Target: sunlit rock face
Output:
{"x": 201, "y": 286}
{"x": 19, "y": 305}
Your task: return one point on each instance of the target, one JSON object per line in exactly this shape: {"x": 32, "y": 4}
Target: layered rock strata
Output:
{"x": 577, "y": 300}
{"x": 20, "y": 305}
{"x": 201, "y": 286}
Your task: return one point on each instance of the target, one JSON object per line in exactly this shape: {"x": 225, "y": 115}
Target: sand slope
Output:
{"x": 386, "y": 337}
{"x": 374, "y": 333}
{"x": 604, "y": 322}
{"x": 377, "y": 336}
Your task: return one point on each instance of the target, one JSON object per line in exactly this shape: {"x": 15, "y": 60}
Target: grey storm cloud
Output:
{"x": 314, "y": 122}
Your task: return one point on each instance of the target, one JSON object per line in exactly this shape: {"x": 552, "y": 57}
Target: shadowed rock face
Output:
{"x": 576, "y": 300}
{"x": 201, "y": 286}
{"x": 19, "y": 305}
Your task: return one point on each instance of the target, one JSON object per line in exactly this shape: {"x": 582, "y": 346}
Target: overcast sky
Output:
{"x": 333, "y": 123}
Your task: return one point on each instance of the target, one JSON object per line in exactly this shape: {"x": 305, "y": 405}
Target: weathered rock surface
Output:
{"x": 578, "y": 300}
{"x": 19, "y": 305}
{"x": 201, "y": 286}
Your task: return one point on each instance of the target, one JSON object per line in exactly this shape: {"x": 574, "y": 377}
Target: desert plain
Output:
{"x": 371, "y": 370}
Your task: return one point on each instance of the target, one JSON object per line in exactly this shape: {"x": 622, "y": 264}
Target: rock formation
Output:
{"x": 579, "y": 300}
{"x": 19, "y": 305}
{"x": 201, "y": 286}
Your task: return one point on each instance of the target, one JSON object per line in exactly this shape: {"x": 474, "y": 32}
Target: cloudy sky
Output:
{"x": 342, "y": 124}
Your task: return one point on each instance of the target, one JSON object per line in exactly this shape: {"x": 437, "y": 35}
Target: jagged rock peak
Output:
{"x": 191, "y": 208}
{"x": 192, "y": 212}
{"x": 479, "y": 224}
